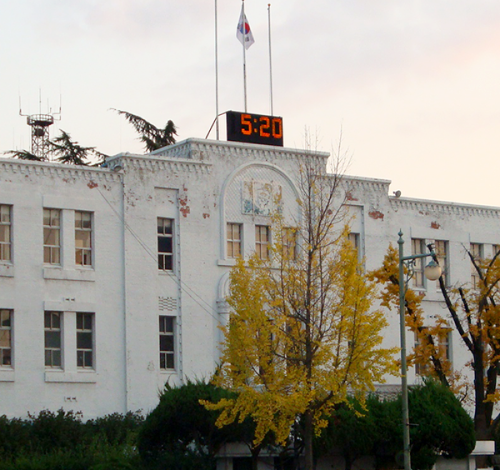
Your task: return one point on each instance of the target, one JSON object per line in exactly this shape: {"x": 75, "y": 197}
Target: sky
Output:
{"x": 409, "y": 89}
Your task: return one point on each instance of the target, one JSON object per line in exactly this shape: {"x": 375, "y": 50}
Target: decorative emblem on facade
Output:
{"x": 259, "y": 198}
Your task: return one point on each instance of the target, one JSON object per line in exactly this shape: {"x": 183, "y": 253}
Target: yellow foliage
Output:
{"x": 302, "y": 334}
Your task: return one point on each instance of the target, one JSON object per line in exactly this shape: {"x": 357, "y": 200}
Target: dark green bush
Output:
{"x": 15, "y": 436}
{"x": 116, "y": 429}
{"x": 60, "y": 440}
{"x": 56, "y": 430}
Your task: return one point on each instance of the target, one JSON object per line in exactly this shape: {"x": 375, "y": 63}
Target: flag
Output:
{"x": 243, "y": 32}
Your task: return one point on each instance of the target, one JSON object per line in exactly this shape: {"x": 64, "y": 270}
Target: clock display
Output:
{"x": 254, "y": 128}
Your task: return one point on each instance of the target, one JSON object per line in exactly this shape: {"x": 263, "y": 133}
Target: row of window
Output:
{"x": 51, "y": 236}
{"x": 418, "y": 246}
{"x": 234, "y": 242}
{"x": 53, "y": 328}
{"x": 85, "y": 340}
{"x": 234, "y": 239}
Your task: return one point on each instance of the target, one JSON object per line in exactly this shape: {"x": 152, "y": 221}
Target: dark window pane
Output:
{"x": 169, "y": 324}
{"x": 79, "y": 359}
{"x": 6, "y": 357}
{"x": 56, "y": 358}
{"x": 166, "y": 343}
{"x": 170, "y": 361}
{"x": 52, "y": 339}
{"x": 48, "y": 358}
{"x": 84, "y": 340}
{"x": 79, "y": 321}
{"x": 88, "y": 358}
{"x": 162, "y": 361}
{"x": 164, "y": 245}
{"x": 87, "y": 322}
{"x": 168, "y": 263}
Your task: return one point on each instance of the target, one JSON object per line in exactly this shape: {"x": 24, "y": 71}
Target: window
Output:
{"x": 53, "y": 344}
{"x": 477, "y": 251}
{"x": 167, "y": 343}
{"x": 289, "y": 240}
{"x": 441, "y": 250}
{"x": 354, "y": 239}
{"x": 5, "y": 337}
{"x": 85, "y": 340}
{"x": 5, "y": 233}
{"x": 83, "y": 238}
{"x": 233, "y": 240}
{"x": 444, "y": 345}
{"x": 496, "y": 249}
{"x": 165, "y": 244}
{"x": 418, "y": 248}
{"x": 52, "y": 236}
{"x": 262, "y": 240}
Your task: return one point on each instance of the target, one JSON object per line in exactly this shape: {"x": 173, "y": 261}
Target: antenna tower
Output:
{"x": 40, "y": 124}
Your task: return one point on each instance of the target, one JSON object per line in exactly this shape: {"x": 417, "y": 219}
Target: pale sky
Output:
{"x": 412, "y": 85}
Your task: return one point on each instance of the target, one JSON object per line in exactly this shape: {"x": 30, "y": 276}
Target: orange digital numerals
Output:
{"x": 277, "y": 128}
{"x": 246, "y": 124}
{"x": 265, "y": 126}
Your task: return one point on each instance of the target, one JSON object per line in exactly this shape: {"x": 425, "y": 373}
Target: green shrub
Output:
{"x": 115, "y": 429}
{"x": 15, "y": 436}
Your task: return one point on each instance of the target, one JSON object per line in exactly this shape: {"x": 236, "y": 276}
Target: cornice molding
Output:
{"x": 424, "y": 207}
{"x": 57, "y": 170}
{"x": 353, "y": 183}
{"x": 202, "y": 150}
{"x": 154, "y": 164}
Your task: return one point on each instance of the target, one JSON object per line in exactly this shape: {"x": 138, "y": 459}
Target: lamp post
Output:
{"x": 432, "y": 272}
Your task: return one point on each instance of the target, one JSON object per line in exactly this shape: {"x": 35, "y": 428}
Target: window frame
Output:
{"x": 52, "y": 249}
{"x": 443, "y": 259}
{"x": 477, "y": 252}
{"x": 6, "y": 330}
{"x": 418, "y": 246}
{"x": 167, "y": 357}
{"x": 166, "y": 259}
{"x": 289, "y": 243}
{"x": 52, "y": 364}
{"x": 234, "y": 240}
{"x": 262, "y": 246}
{"x": 6, "y": 225}
{"x": 81, "y": 319}
{"x": 84, "y": 254}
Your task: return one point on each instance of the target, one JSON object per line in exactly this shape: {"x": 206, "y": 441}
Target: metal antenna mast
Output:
{"x": 40, "y": 124}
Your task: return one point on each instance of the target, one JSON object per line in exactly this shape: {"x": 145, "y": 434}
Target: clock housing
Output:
{"x": 254, "y": 128}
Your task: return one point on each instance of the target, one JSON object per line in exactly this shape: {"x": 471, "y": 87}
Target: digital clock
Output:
{"x": 254, "y": 128}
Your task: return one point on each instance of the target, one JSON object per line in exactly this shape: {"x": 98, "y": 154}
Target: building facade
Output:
{"x": 113, "y": 280}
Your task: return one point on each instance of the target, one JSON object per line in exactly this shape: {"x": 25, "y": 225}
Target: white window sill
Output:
{"x": 7, "y": 375}
{"x": 6, "y": 270}
{"x": 62, "y": 274}
{"x": 226, "y": 262}
{"x": 168, "y": 371}
{"x": 59, "y": 376}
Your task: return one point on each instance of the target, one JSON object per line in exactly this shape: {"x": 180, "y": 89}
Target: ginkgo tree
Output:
{"x": 302, "y": 334}
{"x": 474, "y": 312}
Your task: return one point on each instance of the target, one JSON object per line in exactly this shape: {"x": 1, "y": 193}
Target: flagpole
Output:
{"x": 216, "y": 77}
{"x": 244, "y": 56}
{"x": 270, "y": 56}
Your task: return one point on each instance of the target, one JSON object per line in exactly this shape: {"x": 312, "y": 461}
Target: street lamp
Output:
{"x": 432, "y": 272}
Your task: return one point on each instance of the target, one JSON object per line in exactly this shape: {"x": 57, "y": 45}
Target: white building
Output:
{"x": 91, "y": 322}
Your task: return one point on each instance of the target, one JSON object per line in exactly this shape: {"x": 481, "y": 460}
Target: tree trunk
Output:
{"x": 308, "y": 440}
